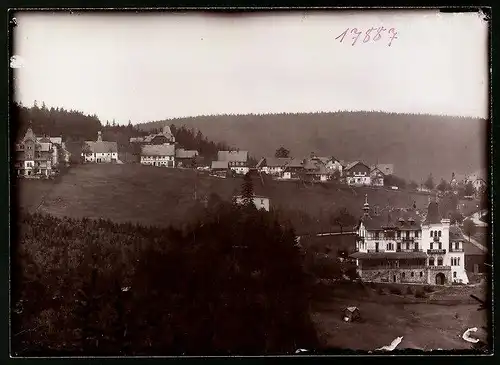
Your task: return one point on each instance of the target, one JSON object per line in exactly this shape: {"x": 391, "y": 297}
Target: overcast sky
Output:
{"x": 142, "y": 67}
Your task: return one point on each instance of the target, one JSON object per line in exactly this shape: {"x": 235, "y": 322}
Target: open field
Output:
{"x": 425, "y": 324}
{"x": 161, "y": 196}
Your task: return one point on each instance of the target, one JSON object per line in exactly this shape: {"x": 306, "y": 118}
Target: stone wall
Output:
{"x": 401, "y": 275}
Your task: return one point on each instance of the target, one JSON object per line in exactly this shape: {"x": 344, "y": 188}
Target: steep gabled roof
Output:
{"x": 385, "y": 168}
{"x": 102, "y": 146}
{"x": 433, "y": 215}
{"x": 232, "y": 156}
{"x": 56, "y": 140}
{"x": 182, "y": 153}
{"x": 158, "y": 150}
{"x": 220, "y": 164}
{"x": 276, "y": 161}
{"x": 295, "y": 163}
{"x": 355, "y": 163}
{"x": 393, "y": 218}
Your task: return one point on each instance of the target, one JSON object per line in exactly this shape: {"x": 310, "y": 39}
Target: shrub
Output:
{"x": 420, "y": 293}
{"x": 428, "y": 289}
{"x": 409, "y": 290}
{"x": 395, "y": 290}
{"x": 381, "y": 290}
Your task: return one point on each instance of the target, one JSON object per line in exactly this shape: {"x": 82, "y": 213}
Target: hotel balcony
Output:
{"x": 436, "y": 251}
{"x": 409, "y": 250}
{"x": 439, "y": 267}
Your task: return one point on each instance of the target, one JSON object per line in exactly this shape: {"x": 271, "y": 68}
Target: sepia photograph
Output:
{"x": 249, "y": 183}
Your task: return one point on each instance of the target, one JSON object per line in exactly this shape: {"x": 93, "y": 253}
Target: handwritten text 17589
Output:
{"x": 370, "y": 35}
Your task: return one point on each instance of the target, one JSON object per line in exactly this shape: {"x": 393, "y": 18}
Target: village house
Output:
{"x": 399, "y": 246}
{"x": 100, "y": 151}
{"x": 293, "y": 170}
{"x": 357, "y": 174}
{"x": 273, "y": 165}
{"x": 260, "y": 202}
{"x": 385, "y": 168}
{"x": 165, "y": 137}
{"x": 332, "y": 165}
{"x": 185, "y": 158}
{"x": 162, "y": 155}
{"x": 237, "y": 160}
{"x": 315, "y": 170}
{"x": 219, "y": 168}
{"x": 33, "y": 157}
{"x": 377, "y": 177}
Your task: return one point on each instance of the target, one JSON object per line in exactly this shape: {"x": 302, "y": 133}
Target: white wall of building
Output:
{"x": 241, "y": 170}
{"x": 166, "y": 161}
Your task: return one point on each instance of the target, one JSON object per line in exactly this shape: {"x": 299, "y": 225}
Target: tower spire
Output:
{"x": 366, "y": 207}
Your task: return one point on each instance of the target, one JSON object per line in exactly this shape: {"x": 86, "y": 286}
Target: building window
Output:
{"x": 390, "y": 246}
{"x": 412, "y": 274}
{"x": 439, "y": 234}
{"x": 376, "y": 246}
{"x": 432, "y": 246}
{"x": 407, "y": 245}
{"x": 421, "y": 274}
{"x": 454, "y": 274}
{"x": 416, "y": 234}
{"x": 399, "y": 234}
{"x": 440, "y": 261}
{"x": 432, "y": 233}
{"x": 375, "y": 235}
{"x": 457, "y": 245}
{"x": 431, "y": 261}
{"x": 458, "y": 261}
{"x": 403, "y": 275}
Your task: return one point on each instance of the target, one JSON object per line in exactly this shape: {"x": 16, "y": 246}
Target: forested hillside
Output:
{"x": 416, "y": 144}
{"x": 76, "y": 127}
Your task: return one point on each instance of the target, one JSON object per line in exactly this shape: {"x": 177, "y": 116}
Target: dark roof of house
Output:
{"x": 433, "y": 214}
{"x": 295, "y": 162}
{"x": 388, "y": 255}
{"x": 393, "y": 218}
{"x": 158, "y": 150}
{"x": 456, "y": 234}
{"x": 182, "y": 153}
{"x": 355, "y": 163}
{"x": 232, "y": 156}
{"x": 385, "y": 168}
{"x": 102, "y": 146}
{"x": 29, "y": 135}
{"x": 312, "y": 164}
{"x": 220, "y": 164}
{"x": 275, "y": 161}
{"x": 320, "y": 170}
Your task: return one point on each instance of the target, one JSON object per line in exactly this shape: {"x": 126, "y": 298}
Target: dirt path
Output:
{"x": 424, "y": 326}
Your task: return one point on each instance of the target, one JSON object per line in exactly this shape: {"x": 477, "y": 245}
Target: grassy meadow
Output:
{"x": 161, "y": 196}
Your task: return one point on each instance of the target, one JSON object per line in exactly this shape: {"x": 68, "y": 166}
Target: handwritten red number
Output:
{"x": 367, "y": 35}
{"x": 358, "y": 33}
{"x": 342, "y": 35}
{"x": 393, "y": 35}
{"x": 378, "y": 35}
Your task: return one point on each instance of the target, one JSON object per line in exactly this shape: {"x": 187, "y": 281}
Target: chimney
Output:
{"x": 99, "y": 136}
